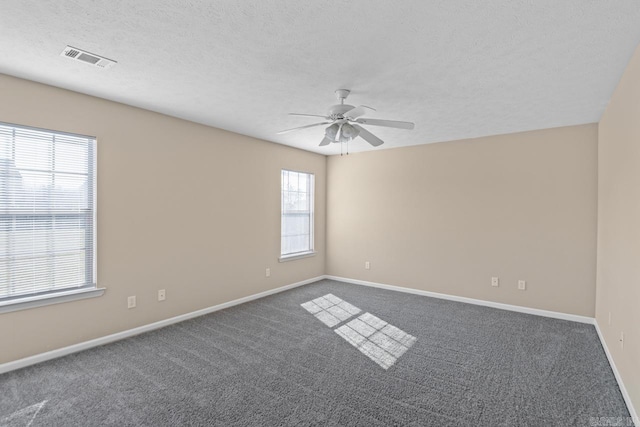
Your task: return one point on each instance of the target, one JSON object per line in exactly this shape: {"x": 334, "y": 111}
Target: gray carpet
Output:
{"x": 273, "y": 362}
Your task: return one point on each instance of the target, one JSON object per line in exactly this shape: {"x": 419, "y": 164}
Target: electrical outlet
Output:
{"x": 131, "y": 302}
{"x": 161, "y": 295}
{"x": 622, "y": 340}
{"x": 367, "y": 265}
{"x": 495, "y": 281}
{"x": 267, "y": 272}
{"x": 522, "y": 285}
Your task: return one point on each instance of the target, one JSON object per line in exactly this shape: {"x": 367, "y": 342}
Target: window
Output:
{"x": 297, "y": 215}
{"x": 47, "y": 215}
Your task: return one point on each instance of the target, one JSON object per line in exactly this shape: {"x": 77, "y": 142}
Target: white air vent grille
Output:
{"x": 71, "y": 52}
{"x": 86, "y": 57}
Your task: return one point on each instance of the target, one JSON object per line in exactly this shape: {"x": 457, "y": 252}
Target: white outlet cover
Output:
{"x": 522, "y": 285}
{"x": 495, "y": 281}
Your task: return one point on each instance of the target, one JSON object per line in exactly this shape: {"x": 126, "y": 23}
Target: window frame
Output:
{"x": 90, "y": 289}
{"x": 312, "y": 194}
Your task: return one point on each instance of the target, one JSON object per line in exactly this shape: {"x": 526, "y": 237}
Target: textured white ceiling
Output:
{"x": 457, "y": 68}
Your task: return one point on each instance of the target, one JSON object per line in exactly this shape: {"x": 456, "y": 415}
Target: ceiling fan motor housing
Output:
{"x": 337, "y": 111}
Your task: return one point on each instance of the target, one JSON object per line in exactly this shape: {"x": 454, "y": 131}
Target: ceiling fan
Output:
{"x": 345, "y": 121}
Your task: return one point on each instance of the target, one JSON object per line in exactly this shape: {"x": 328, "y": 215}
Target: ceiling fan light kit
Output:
{"x": 344, "y": 123}
{"x": 341, "y": 132}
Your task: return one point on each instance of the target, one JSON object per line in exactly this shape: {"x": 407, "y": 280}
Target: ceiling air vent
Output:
{"x": 86, "y": 57}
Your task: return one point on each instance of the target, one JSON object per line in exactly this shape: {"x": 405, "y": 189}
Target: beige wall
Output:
{"x": 182, "y": 207}
{"x": 618, "y": 279}
{"x": 447, "y": 217}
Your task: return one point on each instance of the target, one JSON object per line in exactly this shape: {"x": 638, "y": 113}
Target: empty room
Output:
{"x": 366, "y": 213}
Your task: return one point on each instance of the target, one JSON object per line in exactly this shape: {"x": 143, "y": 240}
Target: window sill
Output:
{"x": 293, "y": 257}
{"x": 42, "y": 300}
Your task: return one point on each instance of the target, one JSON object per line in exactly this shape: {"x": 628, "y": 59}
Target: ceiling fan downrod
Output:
{"x": 342, "y": 94}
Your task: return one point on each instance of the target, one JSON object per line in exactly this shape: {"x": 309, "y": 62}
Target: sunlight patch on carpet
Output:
{"x": 330, "y": 309}
{"x": 378, "y": 340}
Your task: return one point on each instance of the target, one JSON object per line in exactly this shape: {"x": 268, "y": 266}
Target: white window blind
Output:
{"x": 47, "y": 212}
{"x": 297, "y": 213}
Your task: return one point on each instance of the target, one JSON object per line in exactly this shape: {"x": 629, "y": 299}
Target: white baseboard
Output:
{"x": 54, "y": 354}
{"x": 520, "y": 309}
{"x": 623, "y": 389}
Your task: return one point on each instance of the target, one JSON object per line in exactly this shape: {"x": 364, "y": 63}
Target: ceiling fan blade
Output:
{"x": 387, "y": 123}
{"x": 357, "y": 111}
{"x": 308, "y": 115}
{"x": 368, "y": 136}
{"x": 325, "y": 141}
{"x": 302, "y": 127}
